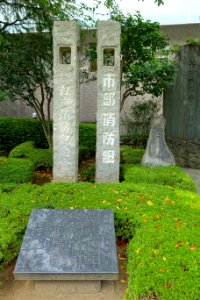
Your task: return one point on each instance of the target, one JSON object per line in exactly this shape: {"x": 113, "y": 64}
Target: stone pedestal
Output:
{"x": 50, "y": 288}
{"x": 65, "y": 101}
{"x": 157, "y": 152}
{"x": 108, "y": 101}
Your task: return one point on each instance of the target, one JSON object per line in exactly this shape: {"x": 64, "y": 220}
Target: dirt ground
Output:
{"x": 25, "y": 290}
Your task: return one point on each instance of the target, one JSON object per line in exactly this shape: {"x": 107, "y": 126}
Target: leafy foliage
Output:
{"x": 172, "y": 176}
{"x": 16, "y": 170}
{"x": 40, "y": 158}
{"x": 146, "y": 67}
{"x": 38, "y": 15}
{"x": 26, "y": 74}
{"x": 163, "y": 256}
{"x": 15, "y": 131}
{"x": 131, "y": 155}
{"x": 87, "y": 136}
{"x": 137, "y": 122}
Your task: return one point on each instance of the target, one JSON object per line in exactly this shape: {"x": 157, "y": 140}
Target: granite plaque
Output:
{"x": 68, "y": 245}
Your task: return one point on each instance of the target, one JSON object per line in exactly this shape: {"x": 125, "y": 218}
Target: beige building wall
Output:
{"x": 175, "y": 34}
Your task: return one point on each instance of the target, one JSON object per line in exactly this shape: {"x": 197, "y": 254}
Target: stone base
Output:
{"x": 50, "y": 288}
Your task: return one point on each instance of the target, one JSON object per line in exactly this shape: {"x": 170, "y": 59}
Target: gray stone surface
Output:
{"x": 157, "y": 152}
{"x": 108, "y": 101}
{"x": 186, "y": 152}
{"x": 181, "y": 100}
{"x": 65, "y": 101}
{"x": 68, "y": 245}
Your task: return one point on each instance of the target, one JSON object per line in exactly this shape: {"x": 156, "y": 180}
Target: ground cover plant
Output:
{"x": 171, "y": 175}
{"x": 41, "y": 158}
{"x": 16, "y": 170}
{"x": 161, "y": 223}
{"x": 130, "y": 155}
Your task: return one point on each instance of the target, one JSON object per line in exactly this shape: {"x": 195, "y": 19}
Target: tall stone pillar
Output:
{"x": 65, "y": 101}
{"x": 108, "y": 101}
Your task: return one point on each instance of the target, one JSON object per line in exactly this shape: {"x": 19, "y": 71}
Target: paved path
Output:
{"x": 195, "y": 175}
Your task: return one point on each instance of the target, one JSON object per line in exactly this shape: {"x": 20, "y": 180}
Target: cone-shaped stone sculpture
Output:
{"x": 157, "y": 152}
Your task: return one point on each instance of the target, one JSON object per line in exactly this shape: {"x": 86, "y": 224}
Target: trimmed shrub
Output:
{"x": 41, "y": 158}
{"x": 172, "y": 176}
{"x": 131, "y": 155}
{"x": 14, "y": 131}
{"x": 87, "y": 136}
{"x": 162, "y": 223}
{"x": 84, "y": 153}
{"x": 16, "y": 170}
{"x": 88, "y": 173}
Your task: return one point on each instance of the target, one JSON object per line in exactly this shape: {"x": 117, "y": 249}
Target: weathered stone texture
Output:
{"x": 66, "y": 102}
{"x": 108, "y": 101}
{"x": 186, "y": 152}
{"x": 157, "y": 152}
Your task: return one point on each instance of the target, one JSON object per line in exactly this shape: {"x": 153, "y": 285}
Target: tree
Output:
{"x": 26, "y": 73}
{"x": 146, "y": 66}
{"x": 26, "y": 59}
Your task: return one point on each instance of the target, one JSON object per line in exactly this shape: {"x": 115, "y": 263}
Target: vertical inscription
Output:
{"x": 107, "y": 153}
{"x": 66, "y": 101}
{"x": 190, "y": 103}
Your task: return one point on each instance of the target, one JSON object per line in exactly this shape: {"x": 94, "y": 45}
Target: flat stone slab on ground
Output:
{"x": 68, "y": 245}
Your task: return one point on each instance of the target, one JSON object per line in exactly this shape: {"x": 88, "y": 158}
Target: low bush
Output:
{"x": 15, "y": 131}
{"x": 172, "y": 176}
{"x": 84, "y": 153}
{"x": 16, "y": 170}
{"x": 161, "y": 223}
{"x": 87, "y": 136}
{"x": 88, "y": 173}
{"x": 41, "y": 158}
{"x": 131, "y": 155}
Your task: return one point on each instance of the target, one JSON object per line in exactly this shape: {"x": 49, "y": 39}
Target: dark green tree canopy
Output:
{"x": 146, "y": 67}
{"x": 26, "y": 73}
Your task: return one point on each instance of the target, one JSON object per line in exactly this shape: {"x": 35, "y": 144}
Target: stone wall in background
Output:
{"x": 186, "y": 153}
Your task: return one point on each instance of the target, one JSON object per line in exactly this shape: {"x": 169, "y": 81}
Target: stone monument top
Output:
{"x": 68, "y": 245}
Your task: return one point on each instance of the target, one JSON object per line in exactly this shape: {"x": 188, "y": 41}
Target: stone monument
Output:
{"x": 108, "y": 101}
{"x": 157, "y": 152}
{"x": 62, "y": 246}
{"x": 182, "y": 109}
{"x": 65, "y": 101}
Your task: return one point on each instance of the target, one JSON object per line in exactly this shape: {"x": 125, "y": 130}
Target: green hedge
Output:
{"x": 87, "y": 136}
{"x": 14, "y": 131}
{"x": 16, "y": 170}
{"x": 131, "y": 155}
{"x": 172, "y": 176}
{"x": 161, "y": 223}
{"x": 41, "y": 158}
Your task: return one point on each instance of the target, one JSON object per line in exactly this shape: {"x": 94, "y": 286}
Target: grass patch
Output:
{"x": 131, "y": 155}
{"x": 41, "y": 158}
{"x": 162, "y": 224}
{"x": 16, "y": 170}
{"x": 172, "y": 176}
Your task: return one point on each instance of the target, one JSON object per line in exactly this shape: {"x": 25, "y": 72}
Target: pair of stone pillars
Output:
{"x": 66, "y": 101}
